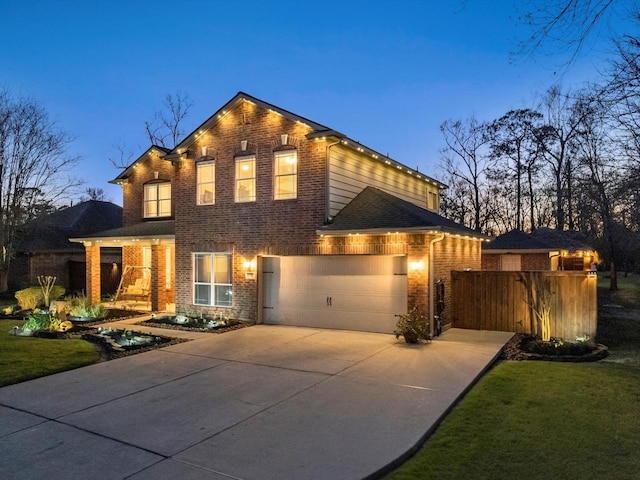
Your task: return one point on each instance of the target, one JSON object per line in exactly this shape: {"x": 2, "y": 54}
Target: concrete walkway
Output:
{"x": 265, "y": 402}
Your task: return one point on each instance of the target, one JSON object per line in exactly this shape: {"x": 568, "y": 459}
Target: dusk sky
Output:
{"x": 385, "y": 73}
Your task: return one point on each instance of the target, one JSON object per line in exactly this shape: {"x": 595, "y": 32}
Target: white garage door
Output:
{"x": 355, "y": 292}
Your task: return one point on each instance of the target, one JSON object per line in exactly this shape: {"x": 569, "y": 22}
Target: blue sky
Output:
{"x": 385, "y": 73}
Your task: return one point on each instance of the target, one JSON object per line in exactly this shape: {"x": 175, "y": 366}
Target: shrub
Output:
{"x": 29, "y": 297}
{"x": 32, "y": 297}
{"x": 46, "y": 322}
{"x": 81, "y": 306}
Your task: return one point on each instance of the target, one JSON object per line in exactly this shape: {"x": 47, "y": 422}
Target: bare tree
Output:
{"x": 34, "y": 169}
{"x": 565, "y": 26}
{"x": 94, "y": 193}
{"x": 165, "y": 129}
{"x": 514, "y": 149}
{"x": 465, "y": 161}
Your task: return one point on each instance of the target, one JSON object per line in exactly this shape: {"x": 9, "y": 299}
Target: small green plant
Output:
{"x": 413, "y": 326}
{"x": 46, "y": 322}
{"x": 81, "y": 306}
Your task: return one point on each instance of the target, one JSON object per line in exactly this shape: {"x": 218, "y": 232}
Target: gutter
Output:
{"x": 432, "y": 282}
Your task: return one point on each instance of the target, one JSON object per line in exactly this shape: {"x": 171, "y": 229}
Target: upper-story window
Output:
{"x": 157, "y": 200}
{"x": 246, "y": 178}
{"x": 206, "y": 183}
{"x": 286, "y": 175}
{"x": 433, "y": 201}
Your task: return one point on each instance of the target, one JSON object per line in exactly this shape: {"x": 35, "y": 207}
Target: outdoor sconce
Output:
{"x": 249, "y": 267}
{"x": 416, "y": 266}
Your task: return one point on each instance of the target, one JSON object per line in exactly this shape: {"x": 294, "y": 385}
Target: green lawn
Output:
{"x": 542, "y": 420}
{"x": 24, "y": 358}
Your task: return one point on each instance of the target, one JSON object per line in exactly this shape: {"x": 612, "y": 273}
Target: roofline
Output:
{"x": 319, "y": 131}
{"x": 549, "y": 250}
{"x": 124, "y": 240}
{"x": 391, "y": 231}
{"x": 221, "y": 112}
{"x": 122, "y": 177}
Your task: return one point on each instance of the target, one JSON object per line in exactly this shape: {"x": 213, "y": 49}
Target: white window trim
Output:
{"x": 199, "y": 183}
{"x": 145, "y": 201}
{"x": 277, "y": 176}
{"x": 238, "y": 180}
{"x": 212, "y": 285}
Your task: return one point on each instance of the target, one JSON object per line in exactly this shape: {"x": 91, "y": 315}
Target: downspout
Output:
{"x": 432, "y": 283}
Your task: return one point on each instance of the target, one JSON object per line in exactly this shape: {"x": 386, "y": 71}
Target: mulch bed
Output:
{"x": 186, "y": 328}
{"x": 514, "y": 350}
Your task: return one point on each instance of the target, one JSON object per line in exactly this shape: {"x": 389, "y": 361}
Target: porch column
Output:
{"x": 158, "y": 278}
{"x": 92, "y": 253}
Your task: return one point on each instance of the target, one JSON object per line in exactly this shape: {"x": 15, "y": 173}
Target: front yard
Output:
{"x": 24, "y": 358}
{"x": 540, "y": 420}
{"x": 530, "y": 420}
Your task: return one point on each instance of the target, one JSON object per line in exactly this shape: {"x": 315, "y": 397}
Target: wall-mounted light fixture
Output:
{"x": 416, "y": 266}
{"x": 249, "y": 269}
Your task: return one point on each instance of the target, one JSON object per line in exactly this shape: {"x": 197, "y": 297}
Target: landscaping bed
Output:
{"x": 527, "y": 347}
{"x": 194, "y": 324}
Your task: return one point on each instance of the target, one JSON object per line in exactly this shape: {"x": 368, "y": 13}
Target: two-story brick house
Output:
{"x": 270, "y": 217}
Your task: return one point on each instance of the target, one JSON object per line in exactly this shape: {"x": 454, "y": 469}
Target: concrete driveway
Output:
{"x": 265, "y": 402}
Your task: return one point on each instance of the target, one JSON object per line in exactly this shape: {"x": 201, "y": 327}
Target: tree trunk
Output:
{"x": 4, "y": 281}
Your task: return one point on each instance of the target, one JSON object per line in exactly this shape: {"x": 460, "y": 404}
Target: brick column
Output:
{"x": 158, "y": 278}
{"x": 92, "y": 253}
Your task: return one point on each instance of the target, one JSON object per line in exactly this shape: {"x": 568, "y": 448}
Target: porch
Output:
{"x": 148, "y": 249}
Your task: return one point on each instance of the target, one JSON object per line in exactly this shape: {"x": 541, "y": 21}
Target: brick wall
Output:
{"x": 528, "y": 261}
{"x": 454, "y": 253}
{"x": 133, "y": 190}
{"x": 252, "y": 228}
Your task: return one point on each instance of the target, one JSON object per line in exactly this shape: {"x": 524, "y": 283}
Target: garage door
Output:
{"x": 355, "y": 292}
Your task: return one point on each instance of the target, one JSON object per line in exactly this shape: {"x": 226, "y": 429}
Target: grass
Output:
{"x": 25, "y": 358}
{"x": 540, "y": 420}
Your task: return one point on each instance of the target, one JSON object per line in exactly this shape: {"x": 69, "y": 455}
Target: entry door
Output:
{"x": 354, "y": 292}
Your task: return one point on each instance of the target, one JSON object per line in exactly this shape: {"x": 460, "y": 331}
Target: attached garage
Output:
{"x": 350, "y": 292}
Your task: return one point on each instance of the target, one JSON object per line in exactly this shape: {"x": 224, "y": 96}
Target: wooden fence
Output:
{"x": 485, "y": 300}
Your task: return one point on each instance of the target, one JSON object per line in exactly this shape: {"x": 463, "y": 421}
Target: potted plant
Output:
{"x": 413, "y": 326}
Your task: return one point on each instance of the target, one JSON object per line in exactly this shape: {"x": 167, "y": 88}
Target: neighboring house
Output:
{"x": 269, "y": 217}
{"x": 542, "y": 249}
{"x": 43, "y": 247}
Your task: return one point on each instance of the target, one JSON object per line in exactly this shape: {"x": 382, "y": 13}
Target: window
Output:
{"x": 157, "y": 200}
{"x": 212, "y": 279}
{"x": 206, "y": 183}
{"x": 433, "y": 201}
{"x": 246, "y": 178}
{"x": 510, "y": 263}
{"x": 286, "y": 175}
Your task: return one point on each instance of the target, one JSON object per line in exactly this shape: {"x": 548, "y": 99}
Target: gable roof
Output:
{"x": 51, "y": 232}
{"x": 181, "y": 151}
{"x": 541, "y": 239}
{"x": 375, "y": 211}
{"x": 160, "y": 151}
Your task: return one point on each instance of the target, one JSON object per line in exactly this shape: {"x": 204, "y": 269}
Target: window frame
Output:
{"x": 158, "y": 202}
{"x": 214, "y": 299}
{"x": 239, "y": 182}
{"x": 277, "y": 176}
{"x": 199, "y": 183}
